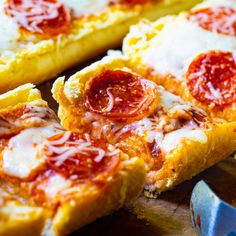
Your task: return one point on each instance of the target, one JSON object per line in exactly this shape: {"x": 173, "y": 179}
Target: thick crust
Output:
{"x": 137, "y": 40}
{"x": 88, "y": 38}
{"x": 141, "y": 37}
{"x": 66, "y": 93}
{"x": 89, "y": 203}
{"x": 86, "y": 202}
{"x": 22, "y": 94}
{"x": 190, "y": 158}
{"x": 93, "y": 203}
{"x": 186, "y": 159}
{"x": 18, "y": 219}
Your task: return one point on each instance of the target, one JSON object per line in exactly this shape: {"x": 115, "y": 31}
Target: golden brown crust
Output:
{"x": 21, "y": 212}
{"x": 186, "y": 159}
{"x": 96, "y": 202}
{"x": 18, "y": 219}
{"x": 88, "y": 38}
{"x": 140, "y": 38}
{"x": 190, "y": 158}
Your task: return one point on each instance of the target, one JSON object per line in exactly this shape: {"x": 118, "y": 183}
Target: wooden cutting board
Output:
{"x": 167, "y": 215}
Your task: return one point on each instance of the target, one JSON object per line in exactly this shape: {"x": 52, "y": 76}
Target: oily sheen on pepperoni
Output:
{"x": 79, "y": 156}
{"x": 48, "y": 17}
{"x": 120, "y": 95}
{"x": 211, "y": 78}
{"x": 220, "y": 20}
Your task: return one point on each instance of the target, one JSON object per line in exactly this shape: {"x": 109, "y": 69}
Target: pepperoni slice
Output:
{"x": 211, "y": 78}
{"x": 220, "y": 20}
{"x": 78, "y": 156}
{"x": 120, "y": 95}
{"x": 48, "y": 17}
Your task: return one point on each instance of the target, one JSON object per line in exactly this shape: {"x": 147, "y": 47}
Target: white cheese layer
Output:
{"x": 173, "y": 139}
{"x": 54, "y": 185}
{"x": 152, "y": 129}
{"x": 85, "y": 7}
{"x": 20, "y": 156}
{"x": 217, "y": 3}
{"x": 168, "y": 142}
{"x": 168, "y": 99}
{"x": 180, "y": 41}
{"x": 9, "y": 33}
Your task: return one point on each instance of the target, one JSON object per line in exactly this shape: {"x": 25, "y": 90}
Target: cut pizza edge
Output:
{"x": 16, "y": 217}
{"x": 87, "y": 39}
{"x": 140, "y": 37}
{"x": 22, "y": 94}
{"x": 82, "y": 204}
{"x": 189, "y": 157}
{"x": 194, "y": 158}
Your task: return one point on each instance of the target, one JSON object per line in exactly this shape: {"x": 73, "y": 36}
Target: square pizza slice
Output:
{"x": 53, "y": 181}
{"x": 191, "y": 55}
{"x": 41, "y": 38}
{"x": 176, "y": 139}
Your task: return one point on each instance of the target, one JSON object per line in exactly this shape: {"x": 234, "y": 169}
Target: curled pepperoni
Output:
{"x": 48, "y": 17}
{"x": 120, "y": 95}
{"x": 220, "y": 20}
{"x": 211, "y": 78}
{"x": 78, "y": 156}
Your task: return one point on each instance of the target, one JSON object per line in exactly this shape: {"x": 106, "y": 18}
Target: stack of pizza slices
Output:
{"x": 149, "y": 117}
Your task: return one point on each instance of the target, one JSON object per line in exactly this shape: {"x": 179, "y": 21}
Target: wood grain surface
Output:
{"x": 167, "y": 215}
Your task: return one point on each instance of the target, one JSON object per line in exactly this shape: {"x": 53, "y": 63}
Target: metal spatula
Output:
{"x": 209, "y": 214}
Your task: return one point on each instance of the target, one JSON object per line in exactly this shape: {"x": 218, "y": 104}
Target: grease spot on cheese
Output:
{"x": 19, "y": 157}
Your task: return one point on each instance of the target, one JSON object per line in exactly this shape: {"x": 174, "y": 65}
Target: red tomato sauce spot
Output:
{"x": 120, "y": 95}
{"x": 211, "y": 78}
{"x": 79, "y": 157}
{"x": 156, "y": 161}
{"x": 48, "y": 17}
{"x": 220, "y": 20}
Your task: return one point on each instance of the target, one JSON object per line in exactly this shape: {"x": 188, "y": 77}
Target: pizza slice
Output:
{"x": 53, "y": 181}
{"x": 41, "y": 38}
{"x": 191, "y": 55}
{"x": 176, "y": 139}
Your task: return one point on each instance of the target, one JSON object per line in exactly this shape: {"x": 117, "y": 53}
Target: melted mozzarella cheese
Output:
{"x": 173, "y": 139}
{"x": 85, "y": 7}
{"x": 20, "y": 156}
{"x": 180, "y": 41}
{"x": 210, "y": 3}
{"x": 168, "y": 99}
{"x": 54, "y": 185}
{"x": 8, "y": 31}
{"x": 148, "y": 129}
{"x": 152, "y": 128}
